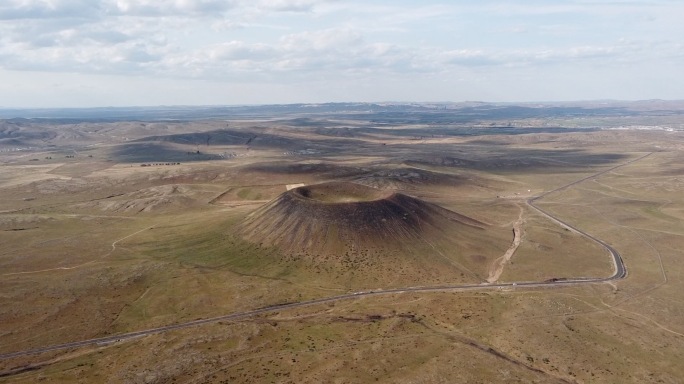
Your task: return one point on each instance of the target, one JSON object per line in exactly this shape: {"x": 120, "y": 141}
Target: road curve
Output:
{"x": 620, "y": 272}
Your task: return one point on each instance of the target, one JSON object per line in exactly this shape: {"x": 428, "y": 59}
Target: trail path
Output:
{"x": 497, "y": 267}
{"x": 80, "y": 265}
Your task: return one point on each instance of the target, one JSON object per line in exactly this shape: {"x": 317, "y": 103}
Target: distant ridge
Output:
{"x": 479, "y": 108}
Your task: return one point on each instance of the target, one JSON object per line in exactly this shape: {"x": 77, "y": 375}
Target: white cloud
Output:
{"x": 40, "y": 9}
{"x": 238, "y": 50}
{"x": 289, "y": 5}
{"x": 155, "y": 8}
{"x": 298, "y": 41}
{"x": 324, "y": 40}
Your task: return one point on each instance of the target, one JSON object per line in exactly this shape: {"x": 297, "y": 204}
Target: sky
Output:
{"x": 98, "y": 53}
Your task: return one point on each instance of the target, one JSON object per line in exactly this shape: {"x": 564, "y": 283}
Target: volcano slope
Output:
{"x": 362, "y": 234}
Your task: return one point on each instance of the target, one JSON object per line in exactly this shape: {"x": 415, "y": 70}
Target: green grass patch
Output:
{"x": 215, "y": 247}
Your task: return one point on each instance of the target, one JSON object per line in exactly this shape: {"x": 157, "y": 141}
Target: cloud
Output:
{"x": 289, "y": 5}
{"x": 43, "y": 9}
{"x": 109, "y": 49}
{"x": 238, "y": 50}
{"x": 98, "y": 9}
{"x": 472, "y": 57}
{"x": 155, "y": 8}
{"x": 294, "y": 41}
{"x": 322, "y": 40}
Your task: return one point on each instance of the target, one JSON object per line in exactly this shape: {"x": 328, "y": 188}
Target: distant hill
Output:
{"x": 463, "y": 109}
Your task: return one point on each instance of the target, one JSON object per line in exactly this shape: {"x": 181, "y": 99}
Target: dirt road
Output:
{"x": 497, "y": 267}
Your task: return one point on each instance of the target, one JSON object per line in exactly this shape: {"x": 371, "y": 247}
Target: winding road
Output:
{"x": 619, "y": 272}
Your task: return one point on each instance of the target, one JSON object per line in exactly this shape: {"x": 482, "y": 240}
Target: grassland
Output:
{"x": 96, "y": 245}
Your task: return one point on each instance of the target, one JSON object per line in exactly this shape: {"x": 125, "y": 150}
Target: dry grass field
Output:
{"x": 115, "y": 227}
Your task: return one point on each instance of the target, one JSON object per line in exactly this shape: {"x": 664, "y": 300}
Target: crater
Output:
{"x": 342, "y": 218}
{"x": 339, "y": 193}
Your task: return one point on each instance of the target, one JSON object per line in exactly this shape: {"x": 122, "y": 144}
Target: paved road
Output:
{"x": 619, "y": 272}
